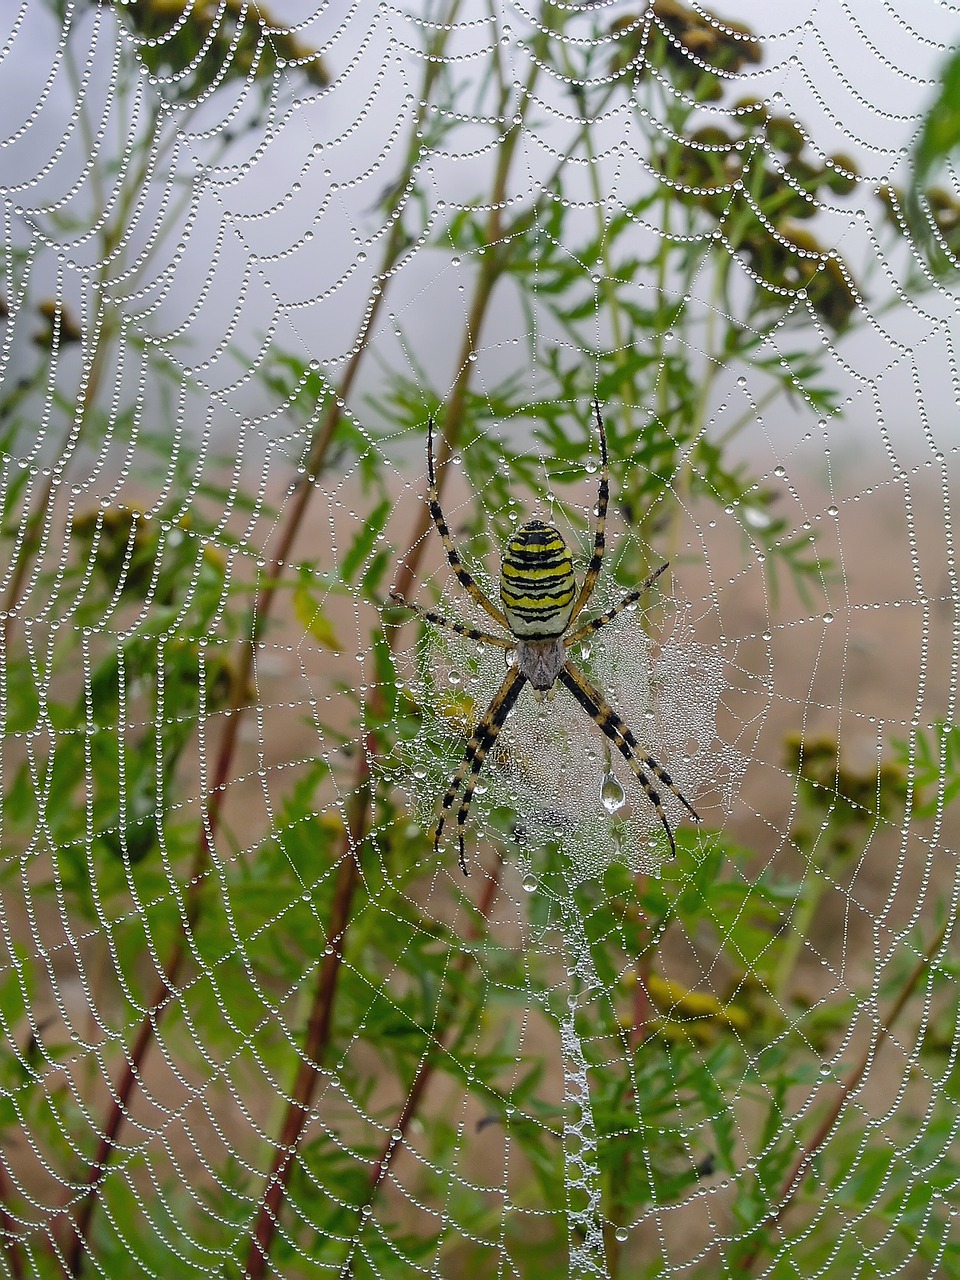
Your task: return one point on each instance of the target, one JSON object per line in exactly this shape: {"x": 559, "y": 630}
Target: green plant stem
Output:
{"x": 810, "y": 893}
{"x": 745, "y": 419}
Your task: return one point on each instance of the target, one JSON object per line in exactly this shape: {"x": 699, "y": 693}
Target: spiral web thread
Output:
{"x": 252, "y": 1023}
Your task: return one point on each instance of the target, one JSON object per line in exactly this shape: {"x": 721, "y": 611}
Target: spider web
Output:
{"x": 253, "y": 1024}
{"x": 562, "y": 788}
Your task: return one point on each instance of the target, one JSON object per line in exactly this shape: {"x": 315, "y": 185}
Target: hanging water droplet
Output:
{"x": 529, "y": 883}
{"x": 612, "y": 794}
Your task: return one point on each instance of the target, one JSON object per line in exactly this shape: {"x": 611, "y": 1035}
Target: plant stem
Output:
{"x": 318, "y": 1028}
{"x": 492, "y": 265}
{"x": 794, "y": 1178}
{"x": 165, "y": 990}
{"x": 11, "y": 1244}
{"x": 439, "y": 1047}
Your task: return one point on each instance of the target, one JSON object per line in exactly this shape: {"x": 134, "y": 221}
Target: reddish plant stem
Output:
{"x": 165, "y": 990}
{"x": 294, "y": 1120}
{"x": 11, "y": 1245}
{"x": 320, "y": 1019}
{"x": 418, "y": 1088}
{"x": 794, "y": 1178}
{"x": 318, "y": 1028}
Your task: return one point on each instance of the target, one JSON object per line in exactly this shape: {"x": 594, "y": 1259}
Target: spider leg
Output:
{"x": 594, "y": 703}
{"x": 453, "y": 555}
{"x": 439, "y": 621}
{"x": 630, "y": 598}
{"x": 599, "y": 538}
{"x": 484, "y": 736}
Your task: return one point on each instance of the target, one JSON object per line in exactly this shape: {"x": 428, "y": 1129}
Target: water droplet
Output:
{"x": 529, "y": 883}
{"x": 612, "y": 795}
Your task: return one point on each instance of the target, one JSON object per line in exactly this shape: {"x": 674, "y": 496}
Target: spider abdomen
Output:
{"x": 537, "y": 585}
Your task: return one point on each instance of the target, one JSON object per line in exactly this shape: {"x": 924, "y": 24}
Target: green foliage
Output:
{"x": 934, "y": 765}
{"x": 136, "y": 648}
{"x": 940, "y": 135}
{"x": 196, "y": 46}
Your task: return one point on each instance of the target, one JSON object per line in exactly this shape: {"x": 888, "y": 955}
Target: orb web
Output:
{"x": 253, "y": 1023}
{"x": 552, "y": 776}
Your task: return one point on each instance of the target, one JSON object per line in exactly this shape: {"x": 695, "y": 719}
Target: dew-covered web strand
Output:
{"x": 556, "y": 793}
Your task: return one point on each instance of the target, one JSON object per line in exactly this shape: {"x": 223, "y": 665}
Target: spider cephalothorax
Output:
{"x": 541, "y": 603}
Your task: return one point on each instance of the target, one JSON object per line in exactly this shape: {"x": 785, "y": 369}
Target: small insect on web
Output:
{"x": 541, "y": 603}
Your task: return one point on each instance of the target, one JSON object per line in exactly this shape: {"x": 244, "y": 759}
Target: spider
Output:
{"x": 541, "y": 603}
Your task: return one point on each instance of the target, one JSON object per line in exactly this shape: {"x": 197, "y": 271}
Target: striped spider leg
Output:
{"x": 467, "y": 776}
{"x": 631, "y": 598}
{"x": 596, "y": 706}
{"x": 450, "y": 624}
{"x": 502, "y": 703}
{"x": 607, "y": 719}
{"x": 486, "y": 731}
{"x": 600, "y": 533}
{"x": 453, "y": 555}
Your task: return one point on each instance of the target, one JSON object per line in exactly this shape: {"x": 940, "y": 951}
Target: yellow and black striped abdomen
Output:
{"x": 537, "y": 585}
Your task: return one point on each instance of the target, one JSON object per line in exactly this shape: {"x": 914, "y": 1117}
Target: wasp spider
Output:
{"x": 541, "y": 603}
